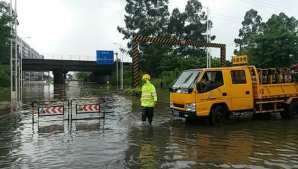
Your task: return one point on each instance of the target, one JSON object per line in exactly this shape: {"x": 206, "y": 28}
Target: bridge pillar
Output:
{"x": 59, "y": 77}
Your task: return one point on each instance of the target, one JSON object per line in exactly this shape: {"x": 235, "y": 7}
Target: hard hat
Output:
{"x": 146, "y": 76}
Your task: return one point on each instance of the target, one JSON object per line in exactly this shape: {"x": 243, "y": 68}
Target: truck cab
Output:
{"x": 212, "y": 93}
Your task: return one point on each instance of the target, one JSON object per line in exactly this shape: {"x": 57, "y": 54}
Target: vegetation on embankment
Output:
{"x": 133, "y": 92}
{"x": 167, "y": 78}
{"x": 4, "y": 77}
{"x": 83, "y": 76}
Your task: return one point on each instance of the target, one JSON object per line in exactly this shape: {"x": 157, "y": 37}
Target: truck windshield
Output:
{"x": 187, "y": 79}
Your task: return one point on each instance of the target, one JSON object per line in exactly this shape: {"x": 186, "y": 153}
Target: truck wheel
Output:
{"x": 285, "y": 113}
{"x": 293, "y": 110}
{"x": 217, "y": 116}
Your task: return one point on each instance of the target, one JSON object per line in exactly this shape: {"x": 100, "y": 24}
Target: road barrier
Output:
{"x": 46, "y": 108}
{"x": 81, "y": 107}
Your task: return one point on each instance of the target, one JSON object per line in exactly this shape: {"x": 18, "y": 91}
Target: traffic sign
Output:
{"x": 88, "y": 108}
{"x": 105, "y": 57}
{"x": 239, "y": 59}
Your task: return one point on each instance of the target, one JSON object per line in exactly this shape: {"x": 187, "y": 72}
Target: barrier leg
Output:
{"x": 32, "y": 114}
{"x": 71, "y": 110}
{"x": 67, "y": 112}
{"x": 104, "y": 110}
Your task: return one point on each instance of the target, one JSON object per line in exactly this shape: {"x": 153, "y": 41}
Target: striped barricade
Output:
{"x": 84, "y": 106}
{"x": 49, "y": 108}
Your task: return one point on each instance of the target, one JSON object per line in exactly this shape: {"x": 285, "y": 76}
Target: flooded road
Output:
{"x": 121, "y": 141}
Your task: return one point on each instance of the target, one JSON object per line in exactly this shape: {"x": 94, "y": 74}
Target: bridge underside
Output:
{"x": 61, "y": 67}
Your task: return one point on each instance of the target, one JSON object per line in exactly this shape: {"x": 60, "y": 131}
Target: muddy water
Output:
{"x": 121, "y": 141}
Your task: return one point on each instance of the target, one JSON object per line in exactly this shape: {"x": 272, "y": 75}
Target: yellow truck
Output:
{"x": 217, "y": 92}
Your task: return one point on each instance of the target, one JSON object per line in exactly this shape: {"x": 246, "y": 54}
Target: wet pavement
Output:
{"x": 122, "y": 141}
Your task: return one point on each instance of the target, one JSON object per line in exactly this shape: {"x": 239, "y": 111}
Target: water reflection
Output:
{"x": 51, "y": 129}
{"x": 248, "y": 145}
{"x": 122, "y": 141}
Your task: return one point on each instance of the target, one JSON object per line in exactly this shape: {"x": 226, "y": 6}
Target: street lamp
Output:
{"x": 208, "y": 36}
{"x": 121, "y": 65}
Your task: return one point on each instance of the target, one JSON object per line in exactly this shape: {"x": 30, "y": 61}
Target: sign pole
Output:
{"x": 16, "y": 54}
{"x": 121, "y": 70}
{"x": 117, "y": 67}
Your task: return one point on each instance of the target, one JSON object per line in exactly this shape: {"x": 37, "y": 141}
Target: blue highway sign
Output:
{"x": 105, "y": 57}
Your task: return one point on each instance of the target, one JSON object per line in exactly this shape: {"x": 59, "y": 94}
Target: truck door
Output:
{"x": 241, "y": 90}
{"x": 214, "y": 90}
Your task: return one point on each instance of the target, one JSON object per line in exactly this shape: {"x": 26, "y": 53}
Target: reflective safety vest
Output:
{"x": 148, "y": 95}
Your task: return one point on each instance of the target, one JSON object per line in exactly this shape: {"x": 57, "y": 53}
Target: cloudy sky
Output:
{"x": 80, "y": 27}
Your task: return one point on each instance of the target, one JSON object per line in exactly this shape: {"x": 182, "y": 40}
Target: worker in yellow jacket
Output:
{"x": 148, "y": 99}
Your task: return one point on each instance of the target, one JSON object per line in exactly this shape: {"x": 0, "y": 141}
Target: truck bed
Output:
{"x": 280, "y": 90}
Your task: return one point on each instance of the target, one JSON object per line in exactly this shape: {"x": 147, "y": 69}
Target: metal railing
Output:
{"x": 69, "y": 57}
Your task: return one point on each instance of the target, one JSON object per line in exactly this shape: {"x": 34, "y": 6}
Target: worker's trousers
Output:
{"x": 147, "y": 112}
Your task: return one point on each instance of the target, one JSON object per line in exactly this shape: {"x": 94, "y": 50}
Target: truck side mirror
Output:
{"x": 199, "y": 87}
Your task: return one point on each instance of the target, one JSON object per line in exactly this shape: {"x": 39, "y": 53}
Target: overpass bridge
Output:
{"x": 101, "y": 72}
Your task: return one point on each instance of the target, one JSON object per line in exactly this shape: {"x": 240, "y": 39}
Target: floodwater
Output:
{"x": 121, "y": 141}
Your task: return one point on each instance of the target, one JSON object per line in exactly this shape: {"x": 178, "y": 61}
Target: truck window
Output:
{"x": 253, "y": 76}
{"x": 212, "y": 80}
{"x": 238, "y": 77}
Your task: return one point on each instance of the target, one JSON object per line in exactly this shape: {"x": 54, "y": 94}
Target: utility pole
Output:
{"x": 121, "y": 69}
{"x": 16, "y": 53}
{"x": 208, "y": 60}
{"x": 240, "y": 46}
{"x": 207, "y": 31}
{"x": 11, "y": 54}
{"x": 209, "y": 51}
{"x": 121, "y": 65}
{"x": 21, "y": 68}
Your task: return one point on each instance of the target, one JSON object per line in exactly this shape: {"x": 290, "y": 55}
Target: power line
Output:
{"x": 226, "y": 46}
{"x": 275, "y": 5}
{"x": 224, "y": 19}
{"x": 291, "y": 2}
{"x": 266, "y": 6}
{"x": 225, "y": 16}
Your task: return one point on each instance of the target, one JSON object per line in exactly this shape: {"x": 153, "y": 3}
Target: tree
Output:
{"x": 277, "y": 44}
{"x": 189, "y": 25}
{"x": 152, "y": 18}
{"x": 5, "y": 29}
{"x": 251, "y": 26}
{"x": 4, "y": 76}
{"x": 146, "y": 18}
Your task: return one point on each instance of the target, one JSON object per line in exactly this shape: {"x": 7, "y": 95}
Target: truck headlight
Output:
{"x": 171, "y": 104}
{"x": 191, "y": 107}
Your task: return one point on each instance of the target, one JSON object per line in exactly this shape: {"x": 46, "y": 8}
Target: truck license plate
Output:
{"x": 175, "y": 113}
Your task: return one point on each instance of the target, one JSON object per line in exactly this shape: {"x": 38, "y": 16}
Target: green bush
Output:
{"x": 133, "y": 91}
{"x": 83, "y": 76}
{"x": 155, "y": 82}
{"x": 169, "y": 77}
{"x": 4, "y": 76}
{"x": 126, "y": 77}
